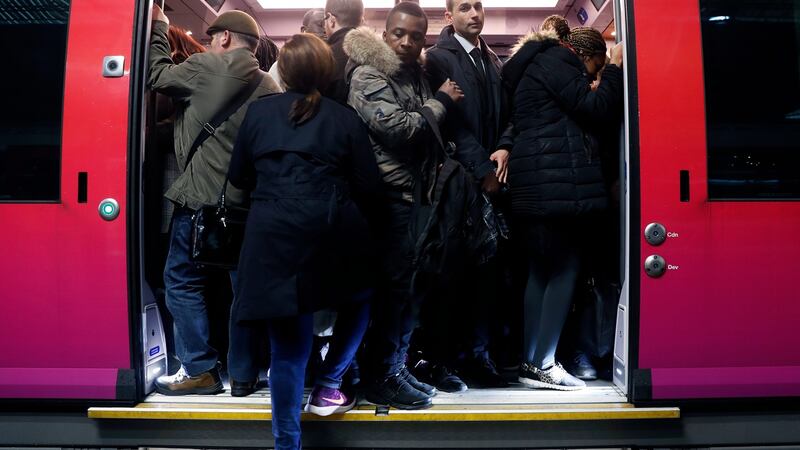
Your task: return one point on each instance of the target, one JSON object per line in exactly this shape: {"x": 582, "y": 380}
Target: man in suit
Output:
{"x": 463, "y": 56}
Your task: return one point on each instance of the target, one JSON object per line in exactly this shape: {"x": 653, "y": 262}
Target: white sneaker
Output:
{"x": 554, "y": 377}
{"x": 178, "y": 377}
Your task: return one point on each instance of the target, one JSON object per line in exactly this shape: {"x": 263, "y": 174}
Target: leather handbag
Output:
{"x": 218, "y": 230}
{"x": 218, "y": 233}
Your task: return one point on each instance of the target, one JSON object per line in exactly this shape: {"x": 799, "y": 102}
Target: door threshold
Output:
{"x": 372, "y": 413}
{"x": 599, "y": 401}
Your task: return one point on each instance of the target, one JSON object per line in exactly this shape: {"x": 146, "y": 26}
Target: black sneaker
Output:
{"x": 482, "y": 373}
{"x": 425, "y": 388}
{"x": 445, "y": 380}
{"x": 582, "y": 367}
{"x": 554, "y": 377}
{"x": 396, "y": 392}
{"x": 242, "y": 388}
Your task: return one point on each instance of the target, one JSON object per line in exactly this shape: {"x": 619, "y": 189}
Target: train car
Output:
{"x": 706, "y": 350}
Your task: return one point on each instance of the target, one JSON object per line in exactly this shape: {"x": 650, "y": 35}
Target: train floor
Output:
{"x": 597, "y": 392}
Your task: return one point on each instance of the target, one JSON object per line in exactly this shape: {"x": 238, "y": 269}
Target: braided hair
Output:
{"x": 586, "y": 41}
{"x": 558, "y": 24}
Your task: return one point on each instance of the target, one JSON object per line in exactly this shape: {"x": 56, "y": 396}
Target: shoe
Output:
{"x": 425, "y": 388}
{"x": 324, "y": 401}
{"x": 396, "y": 392}
{"x": 242, "y": 388}
{"x": 446, "y": 381}
{"x": 482, "y": 373}
{"x": 182, "y": 384}
{"x": 554, "y": 377}
{"x": 582, "y": 367}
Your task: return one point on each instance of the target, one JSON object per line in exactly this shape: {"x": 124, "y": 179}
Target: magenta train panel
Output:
{"x": 58, "y": 383}
{"x": 63, "y": 276}
{"x": 721, "y": 321}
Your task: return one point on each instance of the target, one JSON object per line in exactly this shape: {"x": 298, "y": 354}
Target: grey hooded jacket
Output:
{"x": 389, "y": 98}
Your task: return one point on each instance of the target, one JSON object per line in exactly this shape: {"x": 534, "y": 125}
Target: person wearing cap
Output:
{"x": 200, "y": 87}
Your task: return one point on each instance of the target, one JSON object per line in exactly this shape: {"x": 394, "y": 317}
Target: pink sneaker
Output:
{"x": 325, "y": 401}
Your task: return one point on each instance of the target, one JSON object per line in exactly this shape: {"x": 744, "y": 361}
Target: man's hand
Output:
{"x": 500, "y": 156}
{"x": 452, "y": 90}
{"x": 159, "y": 15}
{"x": 490, "y": 184}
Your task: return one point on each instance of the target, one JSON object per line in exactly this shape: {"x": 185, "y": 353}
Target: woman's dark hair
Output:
{"x": 586, "y": 41}
{"x": 266, "y": 53}
{"x": 182, "y": 44}
{"x": 558, "y": 24}
{"x": 306, "y": 65}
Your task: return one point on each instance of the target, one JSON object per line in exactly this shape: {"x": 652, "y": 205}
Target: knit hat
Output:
{"x": 236, "y": 21}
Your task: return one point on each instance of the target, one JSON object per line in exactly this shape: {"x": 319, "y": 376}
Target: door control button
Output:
{"x": 655, "y": 266}
{"x": 108, "y": 209}
{"x": 655, "y": 234}
{"x": 113, "y": 66}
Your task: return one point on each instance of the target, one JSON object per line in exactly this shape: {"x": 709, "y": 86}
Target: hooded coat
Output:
{"x": 554, "y": 170}
{"x": 389, "y": 98}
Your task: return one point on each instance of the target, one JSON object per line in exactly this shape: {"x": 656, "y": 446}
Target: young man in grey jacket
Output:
{"x": 200, "y": 87}
{"x": 388, "y": 90}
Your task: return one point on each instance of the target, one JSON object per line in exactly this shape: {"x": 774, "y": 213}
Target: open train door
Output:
{"x": 717, "y": 187}
{"x": 64, "y": 308}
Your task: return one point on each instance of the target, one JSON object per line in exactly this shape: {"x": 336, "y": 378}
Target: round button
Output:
{"x": 655, "y": 234}
{"x": 108, "y": 209}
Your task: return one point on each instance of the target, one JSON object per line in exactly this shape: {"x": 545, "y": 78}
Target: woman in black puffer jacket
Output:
{"x": 555, "y": 177}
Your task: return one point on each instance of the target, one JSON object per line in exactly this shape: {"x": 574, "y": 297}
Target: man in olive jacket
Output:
{"x": 200, "y": 87}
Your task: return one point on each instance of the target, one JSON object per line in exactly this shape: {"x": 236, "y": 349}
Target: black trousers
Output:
{"x": 395, "y": 312}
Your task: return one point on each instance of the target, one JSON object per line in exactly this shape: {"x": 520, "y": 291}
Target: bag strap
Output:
{"x": 428, "y": 115}
{"x": 236, "y": 102}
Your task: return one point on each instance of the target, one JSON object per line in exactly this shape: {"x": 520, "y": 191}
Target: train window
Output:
{"x": 751, "y": 55}
{"x": 34, "y": 33}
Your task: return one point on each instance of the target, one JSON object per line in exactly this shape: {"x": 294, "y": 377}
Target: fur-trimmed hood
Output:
{"x": 365, "y": 47}
{"x": 533, "y": 36}
{"x": 523, "y": 53}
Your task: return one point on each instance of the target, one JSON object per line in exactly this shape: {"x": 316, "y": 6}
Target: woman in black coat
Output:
{"x": 555, "y": 178}
{"x": 307, "y": 162}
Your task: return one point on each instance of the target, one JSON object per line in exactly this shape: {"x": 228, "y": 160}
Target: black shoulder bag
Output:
{"x": 218, "y": 230}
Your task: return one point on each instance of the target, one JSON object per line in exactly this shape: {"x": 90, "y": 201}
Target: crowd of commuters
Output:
{"x": 338, "y": 153}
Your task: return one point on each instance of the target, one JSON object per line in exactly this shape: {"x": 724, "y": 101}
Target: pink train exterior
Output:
{"x": 720, "y": 325}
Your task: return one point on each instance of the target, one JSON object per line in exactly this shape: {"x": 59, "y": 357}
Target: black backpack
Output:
{"x": 447, "y": 224}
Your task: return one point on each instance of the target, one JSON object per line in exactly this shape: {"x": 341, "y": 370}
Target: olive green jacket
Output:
{"x": 201, "y": 86}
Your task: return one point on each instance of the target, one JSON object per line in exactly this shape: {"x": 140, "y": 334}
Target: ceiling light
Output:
{"x": 531, "y": 4}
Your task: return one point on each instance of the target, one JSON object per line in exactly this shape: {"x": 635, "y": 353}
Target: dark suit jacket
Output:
{"x": 474, "y": 132}
{"x": 338, "y": 89}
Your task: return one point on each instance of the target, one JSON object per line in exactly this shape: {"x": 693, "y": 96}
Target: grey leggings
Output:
{"x": 554, "y": 262}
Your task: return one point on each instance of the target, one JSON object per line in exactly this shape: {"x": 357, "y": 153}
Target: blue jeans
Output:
{"x": 185, "y": 282}
{"x": 290, "y": 340}
{"x": 351, "y": 324}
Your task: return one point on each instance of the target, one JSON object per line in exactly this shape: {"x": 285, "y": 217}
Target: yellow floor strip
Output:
{"x": 367, "y": 414}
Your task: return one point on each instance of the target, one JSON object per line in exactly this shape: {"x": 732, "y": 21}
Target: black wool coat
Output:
{"x": 554, "y": 168}
{"x": 474, "y": 133}
{"x": 306, "y": 243}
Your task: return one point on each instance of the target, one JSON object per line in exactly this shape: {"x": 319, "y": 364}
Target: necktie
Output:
{"x": 476, "y": 57}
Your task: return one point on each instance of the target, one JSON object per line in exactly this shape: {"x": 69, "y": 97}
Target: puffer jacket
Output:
{"x": 389, "y": 97}
{"x": 554, "y": 169}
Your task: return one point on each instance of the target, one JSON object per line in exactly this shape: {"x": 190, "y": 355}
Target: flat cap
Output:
{"x": 236, "y": 21}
